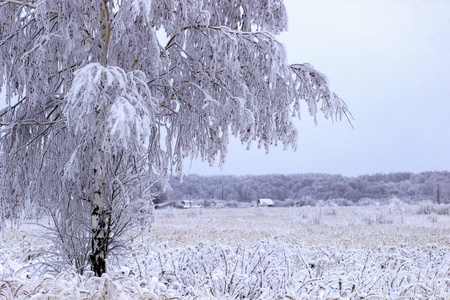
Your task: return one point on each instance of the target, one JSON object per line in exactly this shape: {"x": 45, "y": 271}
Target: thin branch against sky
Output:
{"x": 389, "y": 61}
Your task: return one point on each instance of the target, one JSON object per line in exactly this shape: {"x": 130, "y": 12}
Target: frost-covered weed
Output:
{"x": 397, "y": 205}
{"x": 296, "y": 215}
{"x": 167, "y": 213}
{"x": 378, "y": 218}
{"x": 443, "y": 210}
{"x": 267, "y": 270}
{"x": 330, "y": 211}
{"x": 260, "y": 211}
{"x": 316, "y": 217}
{"x": 74, "y": 286}
{"x": 432, "y": 218}
{"x": 427, "y": 207}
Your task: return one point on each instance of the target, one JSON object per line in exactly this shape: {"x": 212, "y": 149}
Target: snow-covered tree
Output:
{"x": 100, "y": 108}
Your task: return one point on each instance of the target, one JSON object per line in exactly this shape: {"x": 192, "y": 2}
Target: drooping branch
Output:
{"x": 28, "y": 123}
{"x": 318, "y": 90}
{"x": 20, "y": 3}
{"x": 222, "y": 29}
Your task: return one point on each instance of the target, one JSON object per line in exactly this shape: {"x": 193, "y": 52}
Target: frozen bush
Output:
{"x": 443, "y": 209}
{"x": 378, "y": 219}
{"x": 316, "y": 217}
{"x": 232, "y": 203}
{"x": 297, "y": 215}
{"x": 427, "y": 207}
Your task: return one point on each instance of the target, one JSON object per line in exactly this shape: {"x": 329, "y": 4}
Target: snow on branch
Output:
{"x": 108, "y": 108}
{"x": 28, "y": 123}
{"x": 23, "y": 4}
{"x": 111, "y": 104}
{"x": 223, "y": 64}
{"x": 313, "y": 87}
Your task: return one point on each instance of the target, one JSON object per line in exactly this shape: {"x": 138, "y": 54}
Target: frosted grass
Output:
{"x": 269, "y": 268}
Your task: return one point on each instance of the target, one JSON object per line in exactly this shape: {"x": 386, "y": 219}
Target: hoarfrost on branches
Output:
{"x": 105, "y": 110}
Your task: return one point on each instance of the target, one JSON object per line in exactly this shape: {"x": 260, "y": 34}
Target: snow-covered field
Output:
{"x": 255, "y": 253}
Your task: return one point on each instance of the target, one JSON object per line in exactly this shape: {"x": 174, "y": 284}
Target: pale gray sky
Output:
{"x": 390, "y": 61}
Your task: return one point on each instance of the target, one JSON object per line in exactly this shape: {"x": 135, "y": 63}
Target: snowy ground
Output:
{"x": 302, "y": 253}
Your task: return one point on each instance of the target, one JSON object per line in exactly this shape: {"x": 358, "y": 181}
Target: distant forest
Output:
{"x": 305, "y": 189}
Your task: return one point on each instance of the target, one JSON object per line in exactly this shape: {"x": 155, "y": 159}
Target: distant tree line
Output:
{"x": 301, "y": 189}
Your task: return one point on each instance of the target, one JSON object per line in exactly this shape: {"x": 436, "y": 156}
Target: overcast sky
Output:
{"x": 390, "y": 62}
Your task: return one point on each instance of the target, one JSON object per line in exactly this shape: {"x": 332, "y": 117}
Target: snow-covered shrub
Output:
{"x": 443, "y": 209}
{"x": 316, "y": 217}
{"x": 378, "y": 218}
{"x": 425, "y": 208}
{"x": 428, "y": 207}
{"x": 397, "y": 205}
{"x": 297, "y": 215}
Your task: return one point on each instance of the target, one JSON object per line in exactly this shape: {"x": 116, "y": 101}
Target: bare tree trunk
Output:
{"x": 99, "y": 236}
{"x": 99, "y": 216}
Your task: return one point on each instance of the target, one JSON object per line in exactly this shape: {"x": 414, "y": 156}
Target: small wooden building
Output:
{"x": 264, "y": 202}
